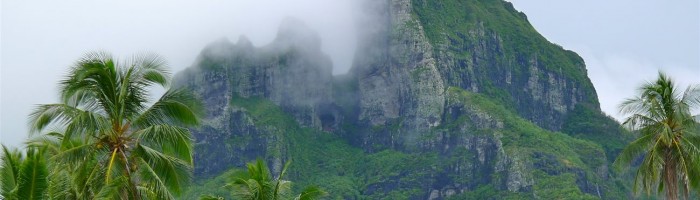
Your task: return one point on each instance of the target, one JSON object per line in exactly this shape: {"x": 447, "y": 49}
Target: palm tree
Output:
{"x": 110, "y": 136}
{"x": 67, "y": 181}
{"x": 668, "y": 138}
{"x": 257, "y": 184}
{"x": 23, "y": 176}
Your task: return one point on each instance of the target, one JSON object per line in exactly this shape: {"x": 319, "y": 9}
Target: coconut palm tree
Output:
{"x": 68, "y": 181}
{"x": 668, "y": 138}
{"x": 107, "y": 132}
{"x": 257, "y": 184}
{"x": 23, "y": 176}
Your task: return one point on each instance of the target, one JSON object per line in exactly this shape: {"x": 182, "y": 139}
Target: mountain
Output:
{"x": 450, "y": 99}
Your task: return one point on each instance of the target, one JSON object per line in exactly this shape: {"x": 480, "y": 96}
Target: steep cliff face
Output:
{"x": 399, "y": 82}
{"x": 292, "y": 72}
{"x": 413, "y": 50}
{"x": 446, "y": 100}
{"x": 501, "y": 150}
{"x": 486, "y": 46}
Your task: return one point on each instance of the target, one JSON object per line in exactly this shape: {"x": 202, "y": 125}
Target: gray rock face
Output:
{"x": 484, "y": 153}
{"x": 402, "y": 76}
{"x": 292, "y": 72}
{"x": 541, "y": 95}
{"x": 399, "y": 83}
{"x": 402, "y": 80}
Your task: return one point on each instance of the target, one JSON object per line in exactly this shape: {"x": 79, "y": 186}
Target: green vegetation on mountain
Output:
{"x": 591, "y": 124}
{"x": 487, "y": 46}
{"x": 450, "y": 23}
{"x": 446, "y": 100}
{"x": 559, "y": 162}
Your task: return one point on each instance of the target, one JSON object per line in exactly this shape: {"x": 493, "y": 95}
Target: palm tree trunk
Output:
{"x": 670, "y": 178}
{"x": 135, "y": 193}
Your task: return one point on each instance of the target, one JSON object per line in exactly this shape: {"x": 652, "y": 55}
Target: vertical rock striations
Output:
{"x": 445, "y": 99}
{"x": 291, "y": 72}
{"x": 400, "y": 88}
{"x": 486, "y": 46}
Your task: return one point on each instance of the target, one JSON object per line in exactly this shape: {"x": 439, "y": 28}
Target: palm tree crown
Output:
{"x": 105, "y": 131}
{"x": 257, "y": 184}
{"x": 668, "y": 138}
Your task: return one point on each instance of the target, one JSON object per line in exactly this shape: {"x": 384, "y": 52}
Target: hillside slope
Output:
{"x": 446, "y": 99}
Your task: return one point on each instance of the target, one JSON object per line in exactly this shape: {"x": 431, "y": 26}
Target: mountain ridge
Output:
{"x": 471, "y": 105}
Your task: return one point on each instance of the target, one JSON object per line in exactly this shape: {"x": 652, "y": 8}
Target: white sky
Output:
{"x": 623, "y": 42}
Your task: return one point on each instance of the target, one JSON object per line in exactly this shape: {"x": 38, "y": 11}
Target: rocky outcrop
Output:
{"x": 540, "y": 94}
{"x": 402, "y": 73}
{"x": 292, "y": 72}
{"x": 494, "y": 50}
{"x": 399, "y": 82}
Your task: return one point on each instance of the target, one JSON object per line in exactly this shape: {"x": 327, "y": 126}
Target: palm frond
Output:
{"x": 155, "y": 184}
{"x": 95, "y": 75}
{"x": 114, "y": 190}
{"x": 88, "y": 178}
{"x": 44, "y": 115}
{"x": 172, "y": 172}
{"x": 60, "y": 185}
{"x": 172, "y": 140}
{"x": 210, "y": 197}
{"x": 50, "y": 141}
{"x": 9, "y": 171}
{"x": 74, "y": 153}
{"x": 151, "y": 70}
{"x": 633, "y": 150}
{"x": 174, "y": 107}
{"x": 282, "y": 187}
{"x": 33, "y": 182}
{"x": 691, "y": 96}
{"x": 311, "y": 193}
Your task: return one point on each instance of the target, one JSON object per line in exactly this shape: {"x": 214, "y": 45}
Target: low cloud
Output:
{"x": 41, "y": 39}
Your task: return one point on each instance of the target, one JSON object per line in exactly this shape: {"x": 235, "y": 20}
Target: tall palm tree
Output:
{"x": 23, "y": 176}
{"x": 106, "y": 132}
{"x": 257, "y": 184}
{"x": 668, "y": 138}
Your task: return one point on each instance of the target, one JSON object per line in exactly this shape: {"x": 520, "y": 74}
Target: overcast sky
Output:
{"x": 623, "y": 42}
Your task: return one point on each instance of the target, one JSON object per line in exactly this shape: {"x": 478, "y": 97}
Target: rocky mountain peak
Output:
{"x": 295, "y": 33}
{"x": 244, "y": 43}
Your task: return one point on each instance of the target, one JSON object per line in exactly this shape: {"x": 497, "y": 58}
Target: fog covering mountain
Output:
{"x": 445, "y": 100}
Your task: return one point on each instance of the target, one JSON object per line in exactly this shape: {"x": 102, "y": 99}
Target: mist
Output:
{"x": 624, "y": 43}
{"x": 40, "y": 40}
